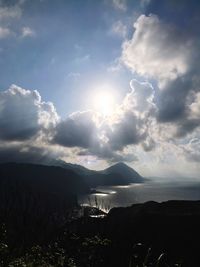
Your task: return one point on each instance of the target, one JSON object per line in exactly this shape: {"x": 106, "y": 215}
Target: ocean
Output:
{"x": 108, "y": 197}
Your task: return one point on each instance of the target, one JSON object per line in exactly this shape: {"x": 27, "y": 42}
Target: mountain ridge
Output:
{"x": 117, "y": 174}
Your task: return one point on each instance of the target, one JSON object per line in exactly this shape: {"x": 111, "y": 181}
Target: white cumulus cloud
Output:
{"x": 157, "y": 50}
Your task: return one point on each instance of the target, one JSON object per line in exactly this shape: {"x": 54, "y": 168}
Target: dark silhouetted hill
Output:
{"x": 36, "y": 198}
{"x": 171, "y": 227}
{"x": 47, "y": 179}
{"x": 118, "y": 174}
{"x": 128, "y": 174}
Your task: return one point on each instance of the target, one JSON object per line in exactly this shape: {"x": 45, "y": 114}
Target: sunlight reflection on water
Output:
{"x": 100, "y": 194}
{"x": 115, "y": 196}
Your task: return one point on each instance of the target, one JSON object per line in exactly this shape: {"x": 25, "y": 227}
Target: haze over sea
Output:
{"x": 115, "y": 196}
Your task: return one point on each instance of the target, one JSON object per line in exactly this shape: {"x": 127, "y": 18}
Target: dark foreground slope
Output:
{"x": 171, "y": 227}
{"x": 123, "y": 238}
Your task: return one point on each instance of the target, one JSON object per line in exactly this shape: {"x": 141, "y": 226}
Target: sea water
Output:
{"x": 108, "y": 197}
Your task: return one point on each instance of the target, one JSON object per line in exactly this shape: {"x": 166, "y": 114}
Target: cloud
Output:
{"x": 167, "y": 54}
{"x": 130, "y": 124}
{"x": 82, "y": 59}
{"x": 120, "y": 4}
{"x": 194, "y": 108}
{"x": 127, "y": 130}
{"x": 32, "y": 131}
{"x": 21, "y": 153}
{"x": 31, "y": 152}
{"x": 119, "y": 29}
{"x": 28, "y": 32}
{"x": 79, "y": 129}
{"x": 157, "y": 50}
{"x": 23, "y": 115}
{"x": 179, "y": 103}
{"x": 131, "y": 134}
{"x": 104, "y": 152}
{"x": 29, "y": 122}
{"x": 4, "y": 32}
{"x": 108, "y": 137}
{"x": 74, "y": 75}
{"x": 191, "y": 120}
{"x": 10, "y": 12}
{"x": 159, "y": 122}
{"x": 192, "y": 150}
{"x": 145, "y": 3}
{"x": 172, "y": 101}
{"x": 141, "y": 98}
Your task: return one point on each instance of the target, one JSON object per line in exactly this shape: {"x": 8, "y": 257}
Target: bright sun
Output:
{"x": 104, "y": 102}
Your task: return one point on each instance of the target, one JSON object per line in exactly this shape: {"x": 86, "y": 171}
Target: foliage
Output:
{"x": 143, "y": 257}
{"x": 76, "y": 251}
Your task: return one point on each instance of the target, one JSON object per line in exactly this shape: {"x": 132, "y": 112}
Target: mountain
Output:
{"x": 48, "y": 186}
{"x": 51, "y": 179}
{"x": 118, "y": 174}
{"x": 128, "y": 174}
{"x": 79, "y": 169}
{"x": 62, "y": 177}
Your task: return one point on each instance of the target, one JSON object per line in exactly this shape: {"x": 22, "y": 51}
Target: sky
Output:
{"x": 95, "y": 82}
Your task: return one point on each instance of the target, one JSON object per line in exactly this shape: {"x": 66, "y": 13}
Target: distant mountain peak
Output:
{"x": 120, "y": 164}
{"x": 126, "y": 172}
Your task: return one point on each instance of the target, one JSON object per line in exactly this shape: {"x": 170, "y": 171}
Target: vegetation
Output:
{"x": 75, "y": 251}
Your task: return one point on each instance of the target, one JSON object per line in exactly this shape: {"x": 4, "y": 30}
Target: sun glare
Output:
{"x": 104, "y": 101}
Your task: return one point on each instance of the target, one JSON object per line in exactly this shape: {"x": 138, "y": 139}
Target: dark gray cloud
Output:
{"x": 128, "y": 130}
{"x": 79, "y": 129}
{"x": 23, "y": 115}
{"x": 171, "y": 102}
{"x": 106, "y": 153}
{"x": 185, "y": 127}
{"x": 24, "y": 153}
{"x": 192, "y": 119}
{"x": 179, "y": 105}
